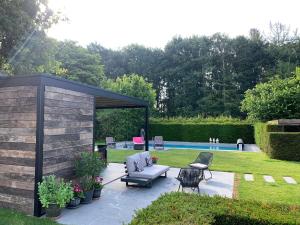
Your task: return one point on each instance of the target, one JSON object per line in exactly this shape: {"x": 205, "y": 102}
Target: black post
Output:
{"x": 39, "y": 146}
{"x": 147, "y": 128}
{"x": 94, "y": 124}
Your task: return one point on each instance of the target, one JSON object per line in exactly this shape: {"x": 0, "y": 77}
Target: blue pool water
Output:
{"x": 200, "y": 147}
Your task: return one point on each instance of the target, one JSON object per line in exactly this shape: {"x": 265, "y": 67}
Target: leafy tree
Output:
{"x": 80, "y": 64}
{"x": 18, "y": 21}
{"x": 276, "y": 99}
{"x": 125, "y": 123}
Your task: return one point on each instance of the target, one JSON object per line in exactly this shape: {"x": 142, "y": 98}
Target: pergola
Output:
{"x": 47, "y": 120}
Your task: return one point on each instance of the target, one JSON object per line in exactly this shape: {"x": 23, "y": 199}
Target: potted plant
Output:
{"x": 87, "y": 167}
{"x": 54, "y": 194}
{"x": 98, "y": 187}
{"x": 78, "y": 194}
{"x": 154, "y": 159}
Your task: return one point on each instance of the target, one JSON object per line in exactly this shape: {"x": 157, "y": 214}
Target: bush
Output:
{"x": 277, "y": 144}
{"x": 183, "y": 208}
{"x": 201, "y": 132}
{"x": 54, "y": 191}
{"x": 278, "y": 98}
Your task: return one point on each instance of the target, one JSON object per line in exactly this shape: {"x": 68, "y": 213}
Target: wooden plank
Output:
{"x": 17, "y": 184}
{"x": 67, "y": 144}
{"x": 86, "y": 136}
{"x": 18, "y": 94}
{"x": 17, "y": 124}
{"x": 17, "y": 191}
{"x": 13, "y": 138}
{"x": 67, "y": 98}
{"x": 57, "y": 167}
{"x": 66, "y": 91}
{"x": 60, "y": 138}
{"x": 67, "y": 124}
{"x": 18, "y": 116}
{"x": 65, "y": 110}
{"x": 18, "y": 88}
{"x": 15, "y": 199}
{"x": 18, "y": 131}
{"x": 19, "y": 177}
{"x": 17, "y": 146}
{"x": 60, "y": 103}
{"x": 17, "y": 154}
{"x": 17, "y": 161}
{"x": 26, "y": 208}
{"x": 18, "y": 109}
{"x": 65, "y": 151}
{"x": 16, "y": 169}
{"x": 60, "y": 117}
{"x": 18, "y": 101}
{"x": 58, "y": 131}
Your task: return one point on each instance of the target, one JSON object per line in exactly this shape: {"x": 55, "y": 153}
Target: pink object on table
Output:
{"x": 138, "y": 140}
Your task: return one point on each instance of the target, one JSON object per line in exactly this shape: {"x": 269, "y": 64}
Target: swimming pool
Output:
{"x": 200, "y": 146}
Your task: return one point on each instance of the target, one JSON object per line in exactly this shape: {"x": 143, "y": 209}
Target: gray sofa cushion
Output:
{"x": 130, "y": 162}
{"x": 150, "y": 172}
{"x": 143, "y": 157}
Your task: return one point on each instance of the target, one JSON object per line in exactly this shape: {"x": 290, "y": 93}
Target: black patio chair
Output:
{"x": 203, "y": 161}
{"x": 190, "y": 178}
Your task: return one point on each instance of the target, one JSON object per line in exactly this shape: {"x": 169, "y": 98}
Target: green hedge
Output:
{"x": 182, "y": 208}
{"x": 284, "y": 145}
{"x": 227, "y": 133}
{"x": 277, "y": 144}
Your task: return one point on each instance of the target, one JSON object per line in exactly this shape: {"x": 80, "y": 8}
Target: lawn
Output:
{"x": 11, "y": 217}
{"x": 239, "y": 162}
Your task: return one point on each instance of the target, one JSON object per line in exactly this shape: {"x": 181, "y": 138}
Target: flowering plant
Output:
{"x": 78, "y": 192}
{"x": 98, "y": 182}
{"x": 154, "y": 159}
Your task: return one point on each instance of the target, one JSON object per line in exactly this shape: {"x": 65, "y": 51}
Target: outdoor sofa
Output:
{"x": 141, "y": 171}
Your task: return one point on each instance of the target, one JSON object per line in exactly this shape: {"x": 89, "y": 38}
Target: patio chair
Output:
{"x": 138, "y": 143}
{"x": 190, "y": 178}
{"x": 110, "y": 142}
{"x": 203, "y": 161}
{"x": 159, "y": 142}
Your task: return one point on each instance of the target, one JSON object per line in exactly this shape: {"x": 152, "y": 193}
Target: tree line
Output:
{"x": 199, "y": 75}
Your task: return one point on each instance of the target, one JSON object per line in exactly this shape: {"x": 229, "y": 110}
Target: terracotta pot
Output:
{"x": 74, "y": 203}
{"x": 97, "y": 193}
{"x": 88, "y": 197}
{"x": 53, "y": 211}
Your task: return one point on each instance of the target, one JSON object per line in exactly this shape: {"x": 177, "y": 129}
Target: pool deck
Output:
{"x": 248, "y": 147}
{"x": 118, "y": 203}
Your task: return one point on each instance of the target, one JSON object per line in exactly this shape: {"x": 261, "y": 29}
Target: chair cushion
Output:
{"x": 199, "y": 165}
{"x": 138, "y": 167}
{"x": 150, "y": 172}
{"x": 130, "y": 162}
{"x": 149, "y": 161}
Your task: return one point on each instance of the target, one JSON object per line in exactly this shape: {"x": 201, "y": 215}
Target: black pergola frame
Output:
{"x": 43, "y": 80}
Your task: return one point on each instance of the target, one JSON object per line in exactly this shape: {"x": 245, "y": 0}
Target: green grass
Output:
{"x": 11, "y": 217}
{"x": 258, "y": 164}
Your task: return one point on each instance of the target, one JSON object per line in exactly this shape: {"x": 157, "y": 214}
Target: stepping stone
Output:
{"x": 289, "y": 180}
{"x": 248, "y": 177}
{"x": 269, "y": 179}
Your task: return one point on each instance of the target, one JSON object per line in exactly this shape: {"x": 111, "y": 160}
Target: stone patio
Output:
{"x": 118, "y": 203}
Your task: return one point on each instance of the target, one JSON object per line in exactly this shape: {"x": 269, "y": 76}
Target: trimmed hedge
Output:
{"x": 183, "y": 208}
{"x": 227, "y": 133}
{"x": 277, "y": 144}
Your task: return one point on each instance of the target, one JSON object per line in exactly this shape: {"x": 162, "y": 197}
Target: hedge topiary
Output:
{"x": 183, "y": 208}
{"x": 227, "y": 133}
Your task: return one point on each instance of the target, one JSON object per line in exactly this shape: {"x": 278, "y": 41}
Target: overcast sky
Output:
{"x": 117, "y": 23}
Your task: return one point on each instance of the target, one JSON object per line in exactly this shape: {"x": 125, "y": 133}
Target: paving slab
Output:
{"x": 290, "y": 180}
{"x": 248, "y": 177}
{"x": 118, "y": 203}
{"x": 269, "y": 179}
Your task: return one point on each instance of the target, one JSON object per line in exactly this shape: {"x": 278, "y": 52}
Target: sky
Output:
{"x": 152, "y": 23}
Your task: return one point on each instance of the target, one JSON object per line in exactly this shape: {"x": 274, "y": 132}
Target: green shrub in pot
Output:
{"x": 54, "y": 194}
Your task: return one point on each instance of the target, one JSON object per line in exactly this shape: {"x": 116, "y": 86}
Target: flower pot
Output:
{"x": 74, "y": 203}
{"x": 97, "y": 193}
{"x": 53, "y": 211}
{"x": 88, "y": 197}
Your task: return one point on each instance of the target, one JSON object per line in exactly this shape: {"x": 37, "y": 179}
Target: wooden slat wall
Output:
{"x": 17, "y": 147}
{"x": 68, "y": 129}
